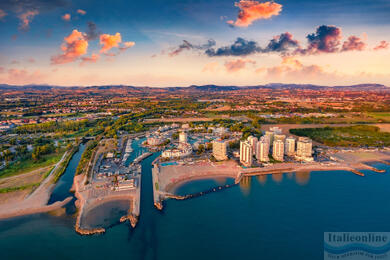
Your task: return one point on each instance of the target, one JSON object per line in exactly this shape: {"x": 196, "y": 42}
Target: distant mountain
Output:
{"x": 363, "y": 87}
{"x": 209, "y": 88}
{"x": 196, "y": 88}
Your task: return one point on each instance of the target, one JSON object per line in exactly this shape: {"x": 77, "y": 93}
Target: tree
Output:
{"x": 200, "y": 149}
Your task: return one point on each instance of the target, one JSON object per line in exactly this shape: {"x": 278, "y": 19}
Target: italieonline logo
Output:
{"x": 357, "y": 245}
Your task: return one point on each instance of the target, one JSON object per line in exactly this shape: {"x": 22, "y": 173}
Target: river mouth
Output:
{"x": 105, "y": 215}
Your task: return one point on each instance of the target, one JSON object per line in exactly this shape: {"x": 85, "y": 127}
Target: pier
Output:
{"x": 142, "y": 157}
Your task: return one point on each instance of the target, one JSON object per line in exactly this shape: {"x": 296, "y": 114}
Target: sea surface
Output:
{"x": 282, "y": 216}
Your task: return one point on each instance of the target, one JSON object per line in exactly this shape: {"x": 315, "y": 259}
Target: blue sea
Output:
{"x": 280, "y": 216}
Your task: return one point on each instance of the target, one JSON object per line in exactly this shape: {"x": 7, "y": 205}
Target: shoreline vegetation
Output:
{"x": 25, "y": 166}
{"x": 349, "y": 136}
{"x": 36, "y": 201}
{"x": 64, "y": 164}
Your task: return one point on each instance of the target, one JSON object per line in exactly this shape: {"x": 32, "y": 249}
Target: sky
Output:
{"x": 194, "y": 42}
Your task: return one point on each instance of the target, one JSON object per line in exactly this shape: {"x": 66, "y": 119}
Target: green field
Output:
{"x": 382, "y": 116}
{"x": 351, "y": 136}
{"x": 24, "y": 166}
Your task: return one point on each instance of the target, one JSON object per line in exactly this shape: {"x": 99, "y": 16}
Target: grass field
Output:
{"x": 350, "y": 136}
{"x": 24, "y": 166}
{"x": 382, "y": 116}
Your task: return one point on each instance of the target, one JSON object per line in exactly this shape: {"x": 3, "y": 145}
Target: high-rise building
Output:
{"x": 262, "y": 150}
{"x": 279, "y": 137}
{"x": 267, "y": 139}
{"x": 219, "y": 150}
{"x": 278, "y": 150}
{"x": 270, "y": 136}
{"x": 246, "y": 153}
{"x": 253, "y": 142}
{"x": 183, "y": 137}
{"x": 304, "y": 148}
{"x": 289, "y": 147}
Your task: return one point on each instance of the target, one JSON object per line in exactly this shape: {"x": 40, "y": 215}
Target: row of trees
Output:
{"x": 53, "y": 127}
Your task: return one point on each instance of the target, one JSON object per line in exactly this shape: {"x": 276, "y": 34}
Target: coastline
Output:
{"x": 84, "y": 205}
{"x": 37, "y": 210}
{"x": 169, "y": 178}
{"x": 37, "y": 201}
{"x": 172, "y": 187}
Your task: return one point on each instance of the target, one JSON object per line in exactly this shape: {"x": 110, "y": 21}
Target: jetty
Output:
{"x": 142, "y": 157}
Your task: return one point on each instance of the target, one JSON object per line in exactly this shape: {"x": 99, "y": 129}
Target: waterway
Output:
{"x": 64, "y": 184}
{"x": 280, "y": 216}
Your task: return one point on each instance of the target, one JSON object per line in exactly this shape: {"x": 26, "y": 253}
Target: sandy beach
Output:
{"x": 36, "y": 202}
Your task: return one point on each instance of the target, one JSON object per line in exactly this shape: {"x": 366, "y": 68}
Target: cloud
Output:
{"x": 251, "y": 11}
{"x": 92, "y": 31}
{"x": 211, "y": 67}
{"x": 66, "y": 17}
{"x": 292, "y": 69}
{"x": 15, "y": 62}
{"x": 31, "y": 60}
{"x": 93, "y": 59}
{"x": 240, "y": 47}
{"x": 383, "y": 45}
{"x": 2, "y": 14}
{"x": 26, "y": 18}
{"x": 237, "y": 65}
{"x": 186, "y": 45}
{"x": 126, "y": 45}
{"x": 80, "y": 11}
{"x": 282, "y": 43}
{"x": 74, "y": 46}
{"x": 26, "y": 10}
{"x": 2, "y": 70}
{"x": 353, "y": 43}
{"x": 22, "y": 76}
{"x": 109, "y": 41}
{"x": 18, "y": 6}
{"x": 292, "y": 62}
{"x": 326, "y": 39}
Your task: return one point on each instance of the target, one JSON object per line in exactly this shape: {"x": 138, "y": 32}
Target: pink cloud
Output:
{"x": 251, "y": 11}
{"x": 211, "y": 67}
{"x": 74, "y": 46}
{"x": 26, "y": 18}
{"x": 93, "y": 59}
{"x": 292, "y": 69}
{"x": 383, "y": 45}
{"x": 126, "y": 45}
{"x": 80, "y": 11}
{"x": 2, "y": 14}
{"x": 237, "y": 65}
{"x": 66, "y": 17}
{"x": 109, "y": 41}
{"x": 292, "y": 62}
{"x": 22, "y": 76}
{"x": 353, "y": 43}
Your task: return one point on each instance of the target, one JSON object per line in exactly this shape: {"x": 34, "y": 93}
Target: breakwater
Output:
{"x": 201, "y": 193}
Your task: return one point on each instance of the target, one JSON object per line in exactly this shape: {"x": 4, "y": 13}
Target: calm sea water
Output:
{"x": 271, "y": 217}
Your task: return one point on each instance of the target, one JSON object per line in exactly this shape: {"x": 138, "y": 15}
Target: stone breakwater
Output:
{"x": 93, "y": 231}
{"x": 84, "y": 203}
{"x": 131, "y": 218}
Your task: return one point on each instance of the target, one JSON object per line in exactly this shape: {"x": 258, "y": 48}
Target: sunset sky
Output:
{"x": 180, "y": 43}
